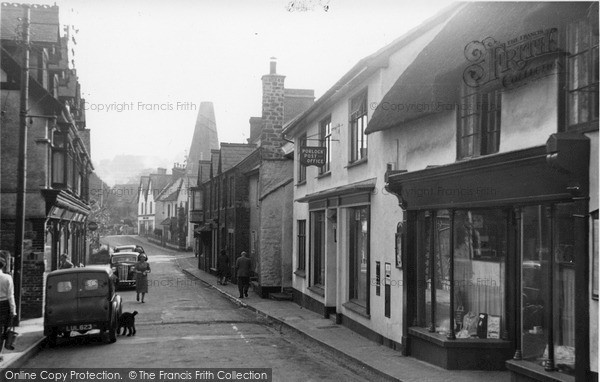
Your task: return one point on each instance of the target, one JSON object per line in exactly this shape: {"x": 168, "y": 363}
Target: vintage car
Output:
{"x": 81, "y": 300}
{"x": 122, "y": 265}
{"x": 124, "y": 248}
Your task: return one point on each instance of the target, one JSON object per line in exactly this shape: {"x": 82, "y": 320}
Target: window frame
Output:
{"x": 302, "y": 141}
{"x": 301, "y": 245}
{"x": 486, "y": 121}
{"x": 357, "y": 122}
{"x": 325, "y": 141}
{"x": 591, "y": 73}
{"x": 352, "y": 270}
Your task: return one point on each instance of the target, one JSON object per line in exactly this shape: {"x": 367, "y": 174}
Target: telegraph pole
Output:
{"x": 22, "y": 165}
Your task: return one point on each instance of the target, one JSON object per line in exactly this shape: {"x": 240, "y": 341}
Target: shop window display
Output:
{"x": 479, "y": 252}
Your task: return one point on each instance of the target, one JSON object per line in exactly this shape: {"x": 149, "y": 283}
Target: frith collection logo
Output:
{"x": 510, "y": 62}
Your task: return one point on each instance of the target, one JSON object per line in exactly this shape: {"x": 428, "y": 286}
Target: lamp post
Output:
{"x": 22, "y": 165}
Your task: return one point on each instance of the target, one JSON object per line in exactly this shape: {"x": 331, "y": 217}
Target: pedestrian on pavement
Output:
{"x": 64, "y": 262}
{"x": 142, "y": 268}
{"x": 222, "y": 267}
{"x": 8, "y": 308}
{"x": 243, "y": 266}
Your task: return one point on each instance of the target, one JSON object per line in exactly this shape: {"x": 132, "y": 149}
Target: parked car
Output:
{"x": 124, "y": 248}
{"x": 81, "y": 300}
{"x": 122, "y": 265}
{"x": 129, "y": 248}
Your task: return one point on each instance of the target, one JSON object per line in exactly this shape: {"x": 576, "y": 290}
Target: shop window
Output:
{"x": 582, "y": 66}
{"x": 548, "y": 286}
{"x": 301, "y": 167}
{"x": 318, "y": 247}
{"x": 325, "y": 141}
{"x": 358, "y": 124}
{"x": 358, "y": 254}
{"x": 301, "y": 254}
{"x": 461, "y": 254}
{"x": 478, "y": 122}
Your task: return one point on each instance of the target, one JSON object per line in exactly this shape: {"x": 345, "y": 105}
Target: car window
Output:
{"x": 122, "y": 259}
{"x": 91, "y": 284}
{"x": 64, "y": 286}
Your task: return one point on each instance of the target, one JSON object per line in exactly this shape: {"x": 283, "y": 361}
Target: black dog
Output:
{"x": 127, "y": 322}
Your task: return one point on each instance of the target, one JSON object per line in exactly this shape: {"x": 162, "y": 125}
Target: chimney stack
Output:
{"x": 272, "y": 113}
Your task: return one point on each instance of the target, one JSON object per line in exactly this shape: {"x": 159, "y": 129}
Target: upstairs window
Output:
{"x": 325, "y": 141}
{"x": 358, "y": 124}
{"x": 301, "y": 167}
{"x": 582, "y": 78}
{"x": 478, "y": 123}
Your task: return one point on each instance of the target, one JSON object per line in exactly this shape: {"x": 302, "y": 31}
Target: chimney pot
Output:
{"x": 273, "y": 66}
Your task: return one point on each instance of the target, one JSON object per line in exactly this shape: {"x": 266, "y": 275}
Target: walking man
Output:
{"x": 243, "y": 266}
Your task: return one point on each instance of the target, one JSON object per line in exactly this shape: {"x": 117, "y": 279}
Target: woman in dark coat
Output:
{"x": 222, "y": 268}
{"x": 142, "y": 268}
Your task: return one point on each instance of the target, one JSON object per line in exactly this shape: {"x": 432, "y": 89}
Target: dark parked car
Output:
{"x": 81, "y": 299}
{"x": 122, "y": 264}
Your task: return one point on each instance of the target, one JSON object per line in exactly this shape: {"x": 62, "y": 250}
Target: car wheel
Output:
{"x": 112, "y": 333}
{"x": 52, "y": 339}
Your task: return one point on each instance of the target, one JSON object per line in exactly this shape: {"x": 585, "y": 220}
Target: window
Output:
{"x": 58, "y": 159}
{"x": 142, "y": 209}
{"x": 468, "y": 246}
{"x": 582, "y": 66}
{"x": 301, "y": 260}
{"x": 168, "y": 210}
{"x": 548, "y": 264}
{"x": 318, "y": 247}
{"x": 325, "y": 141}
{"x": 301, "y": 167}
{"x": 58, "y": 167}
{"x": 478, "y": 123}
{"x": 358, "y": 124}
{"x": 359, "y": 254}
{"x": 64, "y": 286}
{"x": 150, "y": 207}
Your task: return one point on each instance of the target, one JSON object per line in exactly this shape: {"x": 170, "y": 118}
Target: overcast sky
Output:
{"x": 133, "y": 53}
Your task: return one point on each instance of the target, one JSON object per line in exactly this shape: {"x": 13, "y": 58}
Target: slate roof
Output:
{"x": 234, "y": 153}
{"x": 295, "y": 101}
{"x": 171, "y": 191}
{"x": 44, "y": 24}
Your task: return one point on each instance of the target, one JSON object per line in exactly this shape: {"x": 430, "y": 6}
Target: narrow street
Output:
{"x": 187, "y": 324}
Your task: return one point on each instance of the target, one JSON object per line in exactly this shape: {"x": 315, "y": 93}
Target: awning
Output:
{"x": 431, "y": 83}
{"x": 556, "y": 171}
{"x": 365, "y": 186}
{"x": 61, "y": 203}
{"x": 206, "y": 227}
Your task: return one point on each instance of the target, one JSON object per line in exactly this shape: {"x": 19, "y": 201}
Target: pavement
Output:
{"x": 353, "y": 348}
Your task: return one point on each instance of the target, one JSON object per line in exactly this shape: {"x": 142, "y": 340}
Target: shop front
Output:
{"x": 65, "y": 227}
{"x": 496, "y": 261}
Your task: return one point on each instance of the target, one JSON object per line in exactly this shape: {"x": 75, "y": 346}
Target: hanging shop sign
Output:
{"x": 92, "y": 226}
{"x": 313, "y": 156}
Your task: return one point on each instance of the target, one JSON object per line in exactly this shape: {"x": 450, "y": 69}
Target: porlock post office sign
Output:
{"x": 313, "y": 155}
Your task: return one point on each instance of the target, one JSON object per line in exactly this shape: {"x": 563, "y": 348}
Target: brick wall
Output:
{"x": 32, "y": 289}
